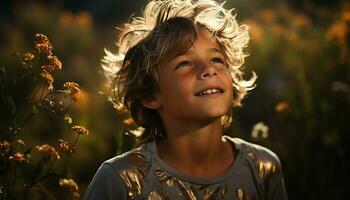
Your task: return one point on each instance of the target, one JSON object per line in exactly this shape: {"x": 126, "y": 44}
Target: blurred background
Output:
{"x": 299, "y": 109}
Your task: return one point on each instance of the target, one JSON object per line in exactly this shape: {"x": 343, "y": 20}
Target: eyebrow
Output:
{"x": 210, "y": 50}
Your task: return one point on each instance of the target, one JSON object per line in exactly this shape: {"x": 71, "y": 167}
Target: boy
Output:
{"x": 178, "y": 72}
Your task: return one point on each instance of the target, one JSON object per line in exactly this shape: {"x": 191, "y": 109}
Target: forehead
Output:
{"x": 204, "y": 41}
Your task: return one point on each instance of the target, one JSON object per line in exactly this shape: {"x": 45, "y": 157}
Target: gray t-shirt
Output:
{"x": 140, "y": 174}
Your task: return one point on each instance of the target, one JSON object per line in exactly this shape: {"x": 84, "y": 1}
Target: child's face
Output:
{"x": 186, "y": 81}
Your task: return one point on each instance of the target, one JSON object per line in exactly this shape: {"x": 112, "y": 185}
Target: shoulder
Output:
{"x": 265, "y": 162}
{"x": 121, "y": 177}
{"x": 133, "y": 167}
{"x": 138, "y": 157}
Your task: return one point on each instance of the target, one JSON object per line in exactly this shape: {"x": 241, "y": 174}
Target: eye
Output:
{"x": 184, "y": 63}
{"x": 216, "y": 60}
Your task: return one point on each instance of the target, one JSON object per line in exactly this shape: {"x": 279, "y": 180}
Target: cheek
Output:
{"x": 180, "y": 86}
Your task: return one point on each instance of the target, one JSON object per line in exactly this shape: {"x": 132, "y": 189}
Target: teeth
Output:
{"x": 210, "y": 91}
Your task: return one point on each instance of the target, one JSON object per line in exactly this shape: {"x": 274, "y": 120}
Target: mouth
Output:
{"x": 210, "y": 91}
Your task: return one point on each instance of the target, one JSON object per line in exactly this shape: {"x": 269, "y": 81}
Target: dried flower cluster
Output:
{"x": 71, "y": 88}
{"x": 52, "y": 63}
{"x": 65, "y": 147}
{"x": 27, "y": 58}
{"x": 45, "y": 75}
{"x": 71, "y": 185}
{"x": 17, "y": 176}
{"x": 4, "y": 147}
{"x": 81, "y": 130}
{"x": 48, "y": 150}
{"x": 42, "y": 44}
{"x": 19, "y": 157}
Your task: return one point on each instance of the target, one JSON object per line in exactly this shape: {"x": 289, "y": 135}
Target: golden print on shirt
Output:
{"x": 187, "y": 191}
{"x": 154, "y": 195}
{"x": 133, "y": 177}
{"x": 265, "y": 168}
{"x": 241, "y": 194}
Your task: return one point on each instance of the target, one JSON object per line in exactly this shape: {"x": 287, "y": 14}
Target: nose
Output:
{"x": 207, "y": 71}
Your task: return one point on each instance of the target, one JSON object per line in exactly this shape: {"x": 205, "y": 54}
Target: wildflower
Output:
{"x": 47, "y": 77}
{"x": 268, "y": 16}
{"x": 71, "y": 88}
{"x": 65, "y": 147}
{"x": 42, "y": 44}
{"x": 281, "y": 106}
{"x": 49, "y": 150}
{"x": 301, "y": 20}
{"x": 338, "y": 31}
{"x": 81, "y": 130}
{"x": 20, "y": 142}
{"x": 128, "y": 122}
{"x": 27, "y": 57}
{"x": 4, "y": 147}
{"x": 18, "y": 157}
{"x": 120, "y": 108}
{"x": 256, "y": 31}
{"x": 260, "y": 130}
{"x": 53, "y": 64}
{"x": 84, "y": 20}
{"x": 71, "y": 185}
{"x": 346, "y": 16}
{"x": 5, "y": 144}
{"x": 68, "y": 119}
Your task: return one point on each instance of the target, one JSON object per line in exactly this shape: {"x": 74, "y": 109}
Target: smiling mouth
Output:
{"x": 210, "y": 91}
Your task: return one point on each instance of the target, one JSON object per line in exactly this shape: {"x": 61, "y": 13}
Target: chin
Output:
{"x": 215, "y": 113}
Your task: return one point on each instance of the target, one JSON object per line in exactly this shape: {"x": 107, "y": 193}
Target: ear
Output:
{"x": 151, "y": 102}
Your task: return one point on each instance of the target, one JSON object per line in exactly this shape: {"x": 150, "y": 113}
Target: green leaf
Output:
{"x": 35, "y": 109}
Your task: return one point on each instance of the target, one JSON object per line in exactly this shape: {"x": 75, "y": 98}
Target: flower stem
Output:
{"x": 75, "y": 142}
{"x": 14, "y": 180}
{"x": 34, "y": 178}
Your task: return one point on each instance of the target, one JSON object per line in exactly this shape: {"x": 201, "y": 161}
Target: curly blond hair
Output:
{"x": 132, "y": 70}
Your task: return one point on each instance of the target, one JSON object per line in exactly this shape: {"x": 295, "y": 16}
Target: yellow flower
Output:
{"x": 71, "y": 88}
{"x": 338, "y": 31}
{"x": 81, "y": 130}
{"x": 49, "y": 150}
{"x": 68, "y": 119}
{"x": 71, "y": 185}
{"x": 346, "y": 16}
{"x": 128, "y": 122}
{"x": 255, "y": 30}
{"x": 18, "y": 157}
{"x": 65, "y": 147}
{"x": 281, "y": 106}
{"x": 268, "y": 16}
{"x": 42, "y": 44}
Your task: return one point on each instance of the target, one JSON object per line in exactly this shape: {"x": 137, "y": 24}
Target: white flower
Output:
{"x": 260, "y": 130}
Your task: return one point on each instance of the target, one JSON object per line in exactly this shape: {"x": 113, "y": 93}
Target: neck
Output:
{"x": 194, "y": 150}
